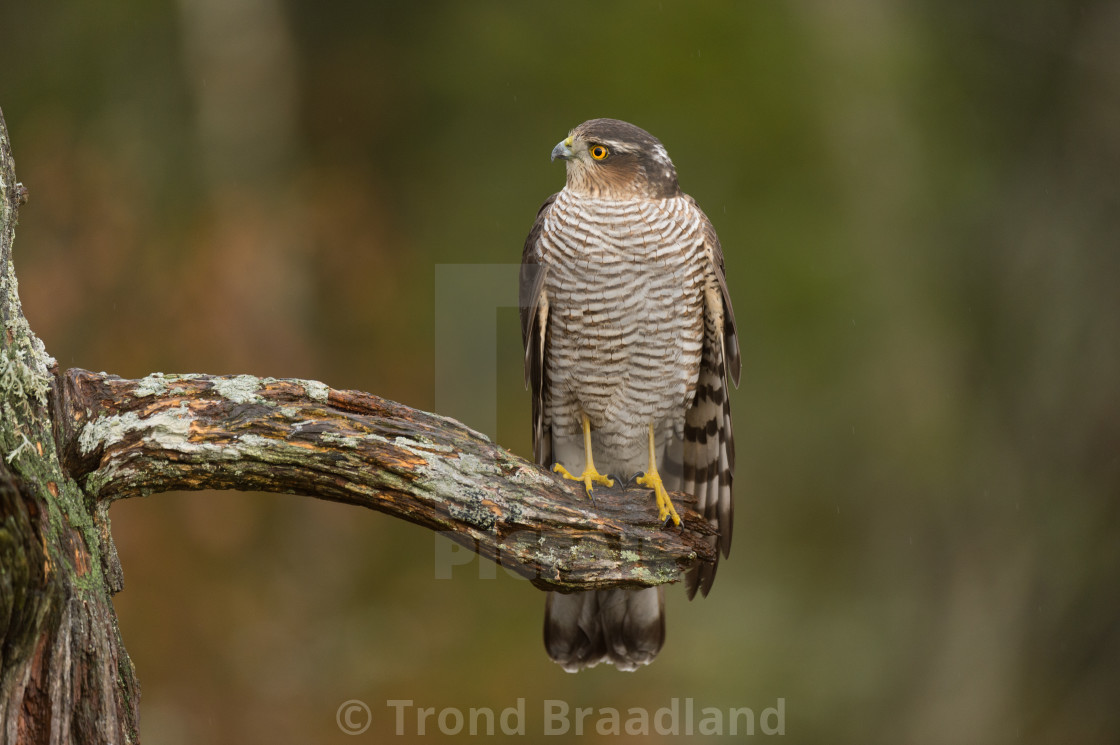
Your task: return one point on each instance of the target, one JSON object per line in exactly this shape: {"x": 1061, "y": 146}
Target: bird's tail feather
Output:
{"x": 624, "y": 628}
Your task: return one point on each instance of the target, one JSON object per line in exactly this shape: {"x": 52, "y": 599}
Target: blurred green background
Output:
{"x": 920, "y": 209}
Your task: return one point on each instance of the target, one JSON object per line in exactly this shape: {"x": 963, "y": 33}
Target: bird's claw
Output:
{"x": 588, "y": 477}
{"x": 666, "y": 512}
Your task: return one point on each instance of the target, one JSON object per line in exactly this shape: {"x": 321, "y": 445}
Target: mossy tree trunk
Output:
{"x": 72, "y": 442}
{"x": 64, "y": 674}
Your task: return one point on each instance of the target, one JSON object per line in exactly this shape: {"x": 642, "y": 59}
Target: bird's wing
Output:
{"x": 534, "y": 332}
{"x": 709, "y": 444}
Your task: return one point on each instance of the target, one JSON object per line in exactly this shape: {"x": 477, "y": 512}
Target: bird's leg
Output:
{"x": 652, "y": 479}
{"x": 589, "y": 475}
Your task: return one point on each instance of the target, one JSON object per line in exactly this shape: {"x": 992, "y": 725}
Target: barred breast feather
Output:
{"x": 625, "y": 292}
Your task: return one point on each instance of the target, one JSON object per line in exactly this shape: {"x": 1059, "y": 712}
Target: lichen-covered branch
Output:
{"x": 126, "y": 438}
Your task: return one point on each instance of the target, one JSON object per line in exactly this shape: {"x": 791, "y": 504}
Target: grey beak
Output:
{"x": 562, "y": 150}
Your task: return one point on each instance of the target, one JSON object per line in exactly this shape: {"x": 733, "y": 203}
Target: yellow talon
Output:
{"x": 652, "y": 479}
{"x": 589, "y": 475}
{"x": 665, "y": 508}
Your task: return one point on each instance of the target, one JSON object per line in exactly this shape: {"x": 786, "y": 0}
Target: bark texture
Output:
{"x": 72, "y": 442}
{"x": 64, "y": 674}
{"x": 127, "y": 438}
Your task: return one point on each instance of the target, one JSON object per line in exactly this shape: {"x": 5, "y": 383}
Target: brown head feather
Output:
{"x": 637, "y": 164}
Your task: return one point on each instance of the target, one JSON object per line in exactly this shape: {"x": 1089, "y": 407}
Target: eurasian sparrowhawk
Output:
{"x": 629, "y": 339}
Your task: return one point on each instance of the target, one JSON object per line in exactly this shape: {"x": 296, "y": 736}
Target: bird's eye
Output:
{"x": 598, "y": 152}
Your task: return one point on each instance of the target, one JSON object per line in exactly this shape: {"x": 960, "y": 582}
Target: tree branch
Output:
{"x": 126, "y": 438}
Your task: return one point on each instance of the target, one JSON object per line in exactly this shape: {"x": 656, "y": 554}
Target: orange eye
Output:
{"x": 598, "y": 152}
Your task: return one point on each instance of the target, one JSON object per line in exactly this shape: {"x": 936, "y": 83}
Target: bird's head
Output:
{"x": 614, "y": 159}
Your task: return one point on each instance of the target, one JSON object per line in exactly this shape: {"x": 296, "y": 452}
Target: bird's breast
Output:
{"x": 625, "y": 288}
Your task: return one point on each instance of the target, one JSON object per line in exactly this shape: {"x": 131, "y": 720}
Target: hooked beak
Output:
{"x": 563, "y": 149}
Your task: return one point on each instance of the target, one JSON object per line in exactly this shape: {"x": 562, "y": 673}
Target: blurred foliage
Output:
{"x": 920, "y": 208}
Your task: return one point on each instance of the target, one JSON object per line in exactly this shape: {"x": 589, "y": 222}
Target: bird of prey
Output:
{"x": 629, "y": 340}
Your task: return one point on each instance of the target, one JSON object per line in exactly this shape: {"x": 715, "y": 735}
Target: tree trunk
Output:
{"x": 64, "y": 674}
{"x": 71, "y": 442}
